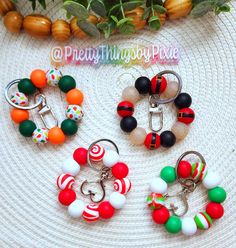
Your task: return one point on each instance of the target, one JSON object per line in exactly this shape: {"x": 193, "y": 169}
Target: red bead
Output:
{"x": 160, "y": 216}
{"x": 106, "y": 211}
{"x": 152, "y": 141}
{"x": 125, "y": 108}
{"x": 184, "y": 169}
{"x": 186, "y": 115}
{"x": 66, "y": 197}
{"x": 80, "y": 155}
{"x": 120, "y": 170}
{"x": 215, "y": 210}
{"x": 158, "y": 84}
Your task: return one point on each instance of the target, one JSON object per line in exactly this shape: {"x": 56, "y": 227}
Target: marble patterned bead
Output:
{"x": 138, "y": 136}
{"x": 20, "y": 99}
{"x": 180, "y": 130}
{"x": 74, "y": 112}
{"x": 130, "y": 94}
{"x": 40, "y": 136}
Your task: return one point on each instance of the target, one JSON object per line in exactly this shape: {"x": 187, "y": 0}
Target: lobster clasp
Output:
{"x": 155, "y": 109}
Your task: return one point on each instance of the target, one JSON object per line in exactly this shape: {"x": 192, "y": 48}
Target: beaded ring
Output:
{"x": 155, "y": 88}
{"x": 189, "y": 176}
{"x": 112, "y": 167}
{"x": 38, "y": 80}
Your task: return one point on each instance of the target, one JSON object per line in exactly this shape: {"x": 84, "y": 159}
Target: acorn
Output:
{"x": 13, "y": 21}
{"x": 136, "y": 14}
{"x": 75, "y": 29}
{"x": 177, "y": 8}
{"x": 38, "y": 26}
{"x": 61, "y": 30}
{"x": 6, "y": 6}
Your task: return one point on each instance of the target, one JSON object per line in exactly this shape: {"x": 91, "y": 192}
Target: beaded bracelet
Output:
{"x": 155, "y": 88}
{"x": 112, "y": 167}
{"x": 189, "y": 177}
{"x": 38, "y": 80}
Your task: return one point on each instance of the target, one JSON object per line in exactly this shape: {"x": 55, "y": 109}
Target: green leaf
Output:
{"x": 89, "y": 28}
{"x": 114, "y": 18}
{"x": 76, "y": 9}
{"x": 202, "y": 8}
{"x": 154, "y": 23}
{"x": 159, "y": 9}
{"x": 98, "y": 7}
{"x": 122, "y": 21}
{"x": 146, "y": 13}
{"x": 107, "y": 28}
{"x": 114, "y": 10}
{"x": 127, "y": 28}
{"x": 224, "y": 8}
{"x": 132, "y": 4}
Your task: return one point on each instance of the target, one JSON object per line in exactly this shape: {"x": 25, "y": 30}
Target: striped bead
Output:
{"x": 96, "y": 153}
{"x": 152, "y": 141}
{"x": 91, "y": 213}
{"x": 122, "y": 186}
{"x": 65, "y": 181}
{"x": 158, "y": 85}
{"x": 155, "y": 201}
{"x": 125, "y": 108}
{"x": 203, "y": 220}
{"x": 199, "y": 171}
{"x": 186, "y": 115}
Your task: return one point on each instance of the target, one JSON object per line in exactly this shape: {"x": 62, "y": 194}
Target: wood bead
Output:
{"x": 13, "y": 21}
{"x": 6, "y": 6}
{"x": 180, "y": 130}
{"x": 138, "y": 136}
{"x": 177, "y": 8}
{"x": 136, "y": 15}
{"x": 61, "y": 30}
{"x": 171, "y": 89}
{"x": 130, "y": 94}
{"x": 38, "y": 26}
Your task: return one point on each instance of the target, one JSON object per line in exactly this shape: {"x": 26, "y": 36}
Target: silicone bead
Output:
{"x": 122, "y": 186}
{"x": 189, "y": 226}
{"x": 65, "y": 181}
{"x": 203, "y": 220}
{"x": 26, "y": 86}
{"x": 138, "y": 136}
{"x": 158, "y": 185}
{"x": 173, "y": 224}
{"x": 19, "y": 115}
{"x": 167, "y": 139}
{"x": 40, "y": 136}
{"x": 38, "y": 78}
{"x": 168, "y": 174}
{"x": 27, "y": 128}
{"x": 184, "y": 169}
{"x": 91, "y": 213}
{"x": 128, "y": 124}
{"x": 74, "y": 96}
{"x": 161, "y": 216}
{"x": 217, "y": 194}
{"x": 20, "y": 99}
{"x": 117, "y": 200}
{"x": 171, "y": 89}
{"x": 152, "y": 141}
{"x": 199, "y": 171}
{"x": 69, "y": 127}
{"x": 130, "y": 94}
{"x": 74, "y": 112}
{"x": 125, "y": 108}
{"x": 143, "y": 84}
{"x": 70, "y": 166}
{"x": 211, "y": 180}
{"x": 56, "y": 136}
{"x": 158, "y": 85}
{"x": 215, "y": 210}
{"x": 66, "y": 83}
{"x": 97, "y": 152}
{"x": 180, "y": 130}
{"x": 53, "y": 76}
{"x": 80, "y": 155}
{"x": 110, "y": 158}
{"x": 183, "y": 100}
{"x": 155, "y": 201}
{"x": 106, "y": 211}
{"x": 120, "y": 170}
{"x": 76, "y": 209}
{"x": 186, "y": 115}
{"x": 66, "y": 197}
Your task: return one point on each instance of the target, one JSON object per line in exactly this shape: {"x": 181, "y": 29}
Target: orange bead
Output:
{"x": 56, "y": 136}
{"x": 38, "y": 77}
{"x": 19, "y": 115}
{"x": 74, "y": 96}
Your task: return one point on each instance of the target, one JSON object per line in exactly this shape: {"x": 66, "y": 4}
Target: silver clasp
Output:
{"x": 156, "y": 109}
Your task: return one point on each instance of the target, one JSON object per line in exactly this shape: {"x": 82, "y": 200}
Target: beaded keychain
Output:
{"x": 112, "y": 167}
{"x": 189, "y": 177}
{"x": 155, "y": 88}
{"x": 38, "y": 80}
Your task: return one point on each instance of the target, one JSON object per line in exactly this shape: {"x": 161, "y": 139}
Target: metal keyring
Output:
{"x": 164, "y": 101}
{"x": 95, "y": 142}
{"x": 40, "y": 98}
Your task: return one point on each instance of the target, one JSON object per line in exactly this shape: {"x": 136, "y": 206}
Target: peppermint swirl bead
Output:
{"x": 65, "y": 181}
{"x": 74, "y": 112}
{"x": 20, "y": 99}
{"x": 199, "y": 171}
{"x": 53, "y": 76}
{"x": 155, "y": 201}
{"x": 96, "y": 153}
{"x": 40, "y": 136}
{"x": 91, "y": 213}
{"x": 122, "y": 186}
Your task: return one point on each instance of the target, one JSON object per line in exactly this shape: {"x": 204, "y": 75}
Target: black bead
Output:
{"x": 168, "y": 139}
{"x": 128, "y": 124}
{"x": 143, "y": 84}
{"x": 183, "y": 100}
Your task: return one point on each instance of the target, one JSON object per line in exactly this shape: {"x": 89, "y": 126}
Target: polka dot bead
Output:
{"x": 40, "y": 136}
{"x": 53, "y": 76}
{"x": 74, "y": 112}
{"x": 20, "y": 99}
{"x": 97, "y": 153}
{"x": 91, "y": 213}
{"x": 65, "y": 181}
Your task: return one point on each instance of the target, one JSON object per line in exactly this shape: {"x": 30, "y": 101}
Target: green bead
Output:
{"x": 69, "y": 127}
{"x": 26, "y": 86}
{"x": 168, "y": 174}
{"x": 27, "y": 128}
{"x": 173, "y": 224}
{"x": 217, "y": 194}
{"x": 66, "y": 83}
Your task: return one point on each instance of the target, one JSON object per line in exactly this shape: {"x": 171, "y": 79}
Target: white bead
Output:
{"x": 76, "y": 208}
{"x": 158, "y": 185}
{"x": 110, "y": 158}
{"x": 117, "y": 200}
{"x": 189, "y": 226}
{"x": 211, "y": 180}
{"x": 71, "y": 167}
